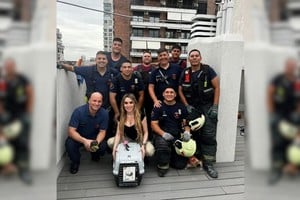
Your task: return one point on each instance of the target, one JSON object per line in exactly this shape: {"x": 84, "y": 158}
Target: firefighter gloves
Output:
{"x": 213, "y": 112}
{"x": 168, "y": 136}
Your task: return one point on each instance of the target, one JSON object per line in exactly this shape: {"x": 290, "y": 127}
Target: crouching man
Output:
{"x": 168, "y": 122}
{"x": 87, "y": 127}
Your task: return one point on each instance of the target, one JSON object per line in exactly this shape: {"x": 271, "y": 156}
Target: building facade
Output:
{"x": 152, "y": 24}
{"x": 59, "y": 45}
{"x": 15, "y": 17}
{"x": 107, "y": 24}
{"x": 284, "y": 16}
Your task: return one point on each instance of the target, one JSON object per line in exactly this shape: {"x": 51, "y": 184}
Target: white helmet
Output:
{"x": 13, "y": 129}
{"x": 287, "y": 130}
{"x": 186, "y": 149}
{"x": 197, "y": 123}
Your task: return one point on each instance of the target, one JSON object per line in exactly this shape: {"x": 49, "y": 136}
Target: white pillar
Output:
{"x": 219, "y": 21}
{"x": 224, "y": 7}
{"x": 229, "y": 11}
{"x": 262, "y": 62}
{"x": 219, "y": 52}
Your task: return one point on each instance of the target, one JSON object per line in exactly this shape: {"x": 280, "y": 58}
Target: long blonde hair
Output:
{"x": 137, "y": 118}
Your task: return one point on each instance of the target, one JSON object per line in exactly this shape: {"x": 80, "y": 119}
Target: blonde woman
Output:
{"x": 131, "y": 127}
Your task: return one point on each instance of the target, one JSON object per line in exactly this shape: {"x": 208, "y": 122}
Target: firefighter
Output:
{"x": 281, "y": 101}
{"x": 199, "y": 89}
{"x": 168, "y": 122}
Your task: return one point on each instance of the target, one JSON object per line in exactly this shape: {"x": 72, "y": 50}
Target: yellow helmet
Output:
{"x": 6, "y": 153}
{"x": 293, "y": 153}
{"x": 186, "y": 149}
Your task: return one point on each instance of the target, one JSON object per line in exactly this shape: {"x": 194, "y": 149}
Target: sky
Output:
{"x": 82, "y": 30}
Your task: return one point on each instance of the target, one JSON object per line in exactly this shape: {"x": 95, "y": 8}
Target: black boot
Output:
{"x": 74, "y": 168}
{"x": 274, "y": 177}
{"x": 25, "y": 176}
{"x": 162, "y": 170}
{"x": 210, "y": 170}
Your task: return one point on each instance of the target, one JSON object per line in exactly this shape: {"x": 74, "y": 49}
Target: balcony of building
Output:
{"x": 281, "y": 33}
{"x": 203, "y": 26}
{"x": 6, "y": 5}
{"x": 18, "y": 33}
{"x": 162, "y": 9}
{"x": 181, "y": 4}
{"x": 156, "y": 25}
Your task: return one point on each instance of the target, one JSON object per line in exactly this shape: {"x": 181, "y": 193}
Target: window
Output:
{"x": 202, "y": 8}
{"x": 138, "y": 2}
{"x": 183, "y": 49}
{"x": 170, "y": 34}
{"x": 154, "y": 17}
{"x": 138, "y": 16}
{"x": 138, "y": 32}
{"x": 107, "y": 7}
{"x": 153, "y": 33}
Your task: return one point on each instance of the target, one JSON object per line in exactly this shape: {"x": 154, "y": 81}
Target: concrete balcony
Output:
{"x": 204, "y": 26}
{"x": 170, "y": 40}
{"x": 159, "y": 25}
{"x": 18, "y": 34}
{"x": 282, "y": 34}
{"x": 6, "y": 5}
{"x": 161, "y": 9}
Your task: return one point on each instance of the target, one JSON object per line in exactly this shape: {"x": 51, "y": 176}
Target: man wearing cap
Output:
{"x": 168, "y": 122}
{"x": 87, "y": 127}
{"x": 199, "y": 89}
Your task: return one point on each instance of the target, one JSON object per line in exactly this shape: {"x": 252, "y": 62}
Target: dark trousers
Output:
{"x": 165, "y": 154}
{"x": 148, "y": 105}
{"x": 279, "y": 146}
{"x": 72, "y": 148}
{"x": 21, "y": 144}
{"x": 111, "y": 129}
{"x": 206, "y": 138}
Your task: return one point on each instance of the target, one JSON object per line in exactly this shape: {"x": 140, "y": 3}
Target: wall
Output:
{"x": 69, "y": 95}
{"x": 262, "y": 62}
{"x": 225, "y": 55}
{"x": 41, "y": 72}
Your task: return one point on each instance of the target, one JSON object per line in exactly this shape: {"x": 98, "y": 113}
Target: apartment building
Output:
{"x": 15, "y": 16}
{"x": 107, "y": 24}
{"x": 152, "y": 24}
{"x": 59, "y": 45}
{"x": 284, "y": 18}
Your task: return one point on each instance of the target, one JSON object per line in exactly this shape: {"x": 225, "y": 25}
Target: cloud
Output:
{"x": 82, "y": 30}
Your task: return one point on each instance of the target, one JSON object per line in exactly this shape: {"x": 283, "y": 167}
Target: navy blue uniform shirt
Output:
{"x": 121, "y": 86}
{"x": 165, "y": 77}
{"x": 170, "y": 117}
{"x": 115, "y": 64}
{"x": 87, "y": 125}
{"x": 95, "y": 82}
